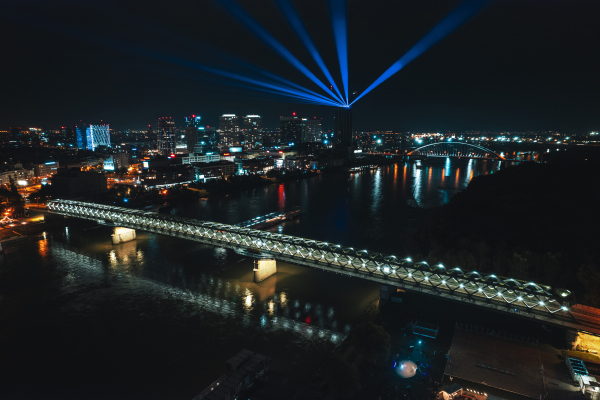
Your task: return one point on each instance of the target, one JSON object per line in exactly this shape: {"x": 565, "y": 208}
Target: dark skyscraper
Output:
{"x": 313, "y": 131}
{"x": 165, "y": 136}
{"x": 192, "y": 131}
{"x": 342, "y": 129}
{"x": 292, "y": 129}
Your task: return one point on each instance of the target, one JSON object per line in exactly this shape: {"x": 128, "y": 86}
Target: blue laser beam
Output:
{"x": 295, "y": 22}
{"x": 268, "y": 39}
{"x": 134, "y": 49}
{"x": 462, "y": 13}
{"x": 340, "y": 33}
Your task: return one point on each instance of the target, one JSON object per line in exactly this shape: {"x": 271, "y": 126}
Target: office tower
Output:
{"x": 313, "y": 131}
{"x": 97, "y": 135}
{"x": 229, "y": 126}
{"x": 80, "y": 141}
{"x": 165, "y": 136}
{"x": 90, "y": 137}
{"x": 193, "y": 130}
{"x": 342, "y": 129}
{"x": 252, "y": 129}
{"x": 291, "y": 130}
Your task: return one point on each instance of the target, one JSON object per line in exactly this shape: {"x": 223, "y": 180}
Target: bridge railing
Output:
{"x": 383, "y": 268}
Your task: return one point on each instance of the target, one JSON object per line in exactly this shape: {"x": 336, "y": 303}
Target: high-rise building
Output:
{"x": 97, "y": 135}
{"x": 193, "y": 130}
{"x": 229, "y": 127}
{"x": 313, "y": 132}
{"x": 342, "y": 129}
{"x": 90, "y": 137}
{"x": 291, "y": 130}
{"x": 165, "y": 136}
{"x": 80, "y": 141}
{"x": 252, "y": 129}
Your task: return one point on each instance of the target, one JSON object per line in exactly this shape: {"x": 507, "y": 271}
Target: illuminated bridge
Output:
{"x": 508, "y": 295}
{"x": 455, "y": 149}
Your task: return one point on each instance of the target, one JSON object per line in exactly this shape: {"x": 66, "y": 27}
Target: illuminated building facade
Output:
{"x": 165, "y": 136}
{"x": 292, "y": 129}
{"x": 229, "y": 127}
{"x": 313, "y": 131}
{"x": 252, "y": 130}
{"x": 193, "y": 130}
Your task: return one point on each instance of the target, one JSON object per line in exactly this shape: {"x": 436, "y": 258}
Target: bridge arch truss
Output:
{"x": 455, "y": 149}
{"x": 455, "y": 284}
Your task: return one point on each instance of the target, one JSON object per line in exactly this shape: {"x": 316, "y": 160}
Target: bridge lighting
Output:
{"x": 564, "y": 308}
{"x": 409, "y": 275}
{"x": 520, "y": 298}
{"x": 480, "y": 290}
{"x": 386, "y": 270}
{"x": 440, "y": 266}
{"x": 408, "y": 259}
{"x": 541, "y": 303}
{"x": 426, "y": 278}
{"x": 443, "y": 282}
{"x": 461, "y": 286}
{"x": 499, "y": 294}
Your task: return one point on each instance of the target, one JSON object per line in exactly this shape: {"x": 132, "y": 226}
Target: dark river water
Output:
{"x": 158, "y": 317}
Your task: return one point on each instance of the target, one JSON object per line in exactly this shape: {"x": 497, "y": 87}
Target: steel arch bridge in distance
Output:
{"x": 455, "y": 149}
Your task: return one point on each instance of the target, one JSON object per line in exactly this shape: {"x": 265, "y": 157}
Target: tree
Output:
{"x": 519, "y": 266}
{"x": 343, "y": 377}
{"x": 374, "y": 340}
{"x": 481, "y": 251}
{"x": 589, "y": 275}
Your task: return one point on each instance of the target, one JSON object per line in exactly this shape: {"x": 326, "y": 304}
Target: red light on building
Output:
{"x": 293, "y": 113}
{"x": 172, "y": 156}
{"x": 280, "y": 152}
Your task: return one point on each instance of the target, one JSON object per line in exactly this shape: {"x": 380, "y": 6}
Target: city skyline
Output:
{"x": 502, "y": 70}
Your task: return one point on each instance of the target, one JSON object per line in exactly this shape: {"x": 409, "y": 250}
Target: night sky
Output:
{"x": 517, "y": 65}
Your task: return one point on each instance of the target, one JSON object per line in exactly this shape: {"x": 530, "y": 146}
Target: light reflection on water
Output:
{"x": 82, "y": 268}
{"x": 164, "y": 282}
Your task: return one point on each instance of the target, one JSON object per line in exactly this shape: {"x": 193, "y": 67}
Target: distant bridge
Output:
{"x": 455, "y": 149}
{"x": 508, "y": 295}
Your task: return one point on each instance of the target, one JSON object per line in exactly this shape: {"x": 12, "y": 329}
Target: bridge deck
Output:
{"x": 507, "y": 295}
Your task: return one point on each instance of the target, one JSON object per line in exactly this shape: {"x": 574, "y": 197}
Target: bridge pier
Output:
{"x": 385, "y": 292}
{"x": 264, "y": 268}
{"x": 122, "y": 235}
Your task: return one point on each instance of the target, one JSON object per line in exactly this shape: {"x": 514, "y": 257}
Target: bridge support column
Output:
{"x": 122, "y": 235}
{"x": 264, "y": 268}
{"x": 385, "y": 293}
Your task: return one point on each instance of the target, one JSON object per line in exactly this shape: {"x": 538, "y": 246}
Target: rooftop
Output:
{"x": 505, "y": 364}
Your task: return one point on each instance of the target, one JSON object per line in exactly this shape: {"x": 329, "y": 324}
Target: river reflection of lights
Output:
{"x": 77, "y": 262}
{"x": 43, "y": 246}
{"x": 112, "y": 257}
